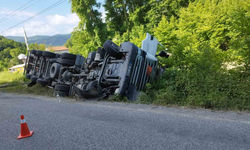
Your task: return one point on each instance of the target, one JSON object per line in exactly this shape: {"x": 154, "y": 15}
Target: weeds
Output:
{"x": 7, "y": 77}
{"x": 18, "y": 79}
{"x": 24, "y": 89}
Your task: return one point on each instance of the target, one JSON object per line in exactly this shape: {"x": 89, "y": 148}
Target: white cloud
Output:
{"x": 7, "y": 12}
{"x": 50, "y": 25}
{"x": 33, "y": 28}
{"x": 71, "y": 19}
{"x": 38, "y": 28}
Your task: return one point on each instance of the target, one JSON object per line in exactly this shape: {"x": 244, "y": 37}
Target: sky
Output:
{"x": 58, "y": 20}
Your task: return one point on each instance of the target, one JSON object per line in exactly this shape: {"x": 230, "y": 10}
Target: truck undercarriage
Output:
{"x": 112, "y": 69}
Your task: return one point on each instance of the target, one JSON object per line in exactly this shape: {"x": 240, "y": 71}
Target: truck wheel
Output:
{"x": 91, "y": 85}
{"x": 68, "y": 56}
{"x": 31, "y": 59}
{"x": 112, "y": 49}
{"x": 28, "y": 76}
{"x": 39, "y": 53}
{"x": 102, "y": 52}
{"x": 33, "y": 78}
{"x": 42, "y": 81}
{"x": 90, "y": 58}
{"x": 63, "y": 88}
{"x": 49, "y": 54}
{"x": 67, "y": 62}
{"x": 55, "y": 70}
{"x": 33, "y": 52}
{"x": 84, "y": 86}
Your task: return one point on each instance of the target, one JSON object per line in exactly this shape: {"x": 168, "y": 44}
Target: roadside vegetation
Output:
{"x": 7, "y": 77}
{"x": 204, "y": 36}
{"x": 17, "y": 83}
{"x": 24, "y": 89}
{"x": 9, "y": 51}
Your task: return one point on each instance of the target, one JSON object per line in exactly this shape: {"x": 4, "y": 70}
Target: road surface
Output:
{"x": 95, "y": 125}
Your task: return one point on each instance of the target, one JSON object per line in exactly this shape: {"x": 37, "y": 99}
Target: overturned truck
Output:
{"x": 112, "y": 69}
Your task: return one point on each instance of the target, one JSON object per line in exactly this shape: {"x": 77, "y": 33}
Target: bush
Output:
{"x": 218, "y": 90}
{"x": 206, "y": 36}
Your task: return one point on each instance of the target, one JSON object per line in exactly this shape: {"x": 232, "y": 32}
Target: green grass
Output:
{"x": 7, "y": 77}
{"x": 24, "y": 89}
{"x": 16, "y": 84}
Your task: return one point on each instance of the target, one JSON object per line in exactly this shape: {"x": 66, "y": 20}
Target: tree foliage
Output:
{"x": 202, "y": 35}
{"x": 9, "y": 50}
{"x": 37, "y": 46}
{"x": 204, "y": 38}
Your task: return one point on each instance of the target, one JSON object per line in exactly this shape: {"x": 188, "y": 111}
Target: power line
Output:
{"x": 14, "y": 13}
{"x": 16, "y": 10}
{"x": 39, "y": 13}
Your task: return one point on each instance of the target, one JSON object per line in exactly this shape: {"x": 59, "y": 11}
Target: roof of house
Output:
{"x": 17, "y": 66}
{"x": 59, "y": 48}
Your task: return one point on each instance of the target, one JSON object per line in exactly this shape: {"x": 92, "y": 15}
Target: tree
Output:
{"x": 42, "y": 47}
{"x": 91, "y": 32}
{"x": 83, "y": 42}
{"x": 68, "y": 43}
{"x": 32, "y": 46}
{"x": 87, "y": 11}
{"x": 118, "y": 14}
{"x": 9, "y": 50}
{"x": 167, "y": 8}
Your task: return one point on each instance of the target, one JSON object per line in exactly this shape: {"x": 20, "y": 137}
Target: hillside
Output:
{"x": 9, "y": 50}
{"x": 55, "y": 40}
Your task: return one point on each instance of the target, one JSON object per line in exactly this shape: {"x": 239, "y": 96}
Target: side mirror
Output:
{"x": 163, "y": 54}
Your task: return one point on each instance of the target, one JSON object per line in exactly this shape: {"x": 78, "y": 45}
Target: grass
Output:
{"x": 7, "y": 77}
{"x": 17, "y": 85}
{"x": 24, "y": 89}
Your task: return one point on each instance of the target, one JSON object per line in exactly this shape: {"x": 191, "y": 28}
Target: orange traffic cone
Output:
{"x": 25, "y": 132}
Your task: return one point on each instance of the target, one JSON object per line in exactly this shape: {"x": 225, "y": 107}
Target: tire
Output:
{"x": 31, "y": 59}
{"x": 84, "y": 86}
{"x": 42, "y": 81}
{"x": 68, "y": 56}
{"x": 112, "y": 49}
{"x": 28, "y": 76}
{"x": 33, "y": 52}
{"x": 33, "y": 78}
{"x": 39, "y": 53}
{"x": 91, "y": 85}
{"x": 62, "y": 94}
{"x": 63, "y": 88}
{"x": 102, "y": 52}
{"x": 67, "y": 62}
{"x": 54, "y": 70}
{"x": 49, "y": 54}
{"x": 90, "y": 58}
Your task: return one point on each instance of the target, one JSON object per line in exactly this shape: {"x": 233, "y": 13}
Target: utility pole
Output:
{"x": 27, "y": 45}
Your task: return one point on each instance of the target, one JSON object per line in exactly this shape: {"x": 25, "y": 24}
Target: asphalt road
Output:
{"x": 96, "y": 125}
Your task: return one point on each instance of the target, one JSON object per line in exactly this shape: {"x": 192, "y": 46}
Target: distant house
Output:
{"x": 58, "y": 49}
{"x": 17, "y": 68}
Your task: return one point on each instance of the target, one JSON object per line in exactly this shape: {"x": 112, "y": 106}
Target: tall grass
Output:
{"x": 7, "y": 77}
{"x": 17, "y": 79}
